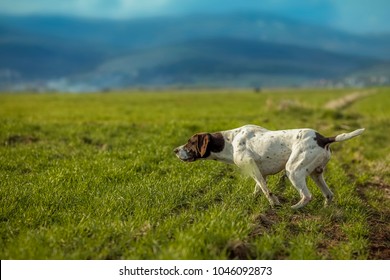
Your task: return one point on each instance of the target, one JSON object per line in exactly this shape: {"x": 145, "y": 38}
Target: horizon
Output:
{"x": 85, "y": 49}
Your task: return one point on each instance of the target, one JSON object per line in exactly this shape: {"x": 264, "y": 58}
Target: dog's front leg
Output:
{"x": 249, "y": 166}
{"x": 258, "y": 190}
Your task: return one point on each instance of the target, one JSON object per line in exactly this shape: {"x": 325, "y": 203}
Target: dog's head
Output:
{"x": 200, "y": 146}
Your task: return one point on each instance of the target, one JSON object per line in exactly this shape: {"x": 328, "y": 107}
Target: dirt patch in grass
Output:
{"x": 379, "y": 236}
{"x": 378, "y": 221}
{"x": 89, "y": 141}
{"x": 331, "y": 232}
{"x": 332, "y": 236}
{"x": 263, "y": 223}
{"x": 20, "y": 139}
{"x": 243, "y": 249}
{"x": 240, "y": 250}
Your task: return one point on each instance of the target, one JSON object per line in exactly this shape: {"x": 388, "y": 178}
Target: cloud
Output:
{"x": 352, "y": 15}
{"x": 85, "y": 8}
{"x": 362, "y": 16}
{"x": 132, "y": 8}
{"x": 27, "y": 7}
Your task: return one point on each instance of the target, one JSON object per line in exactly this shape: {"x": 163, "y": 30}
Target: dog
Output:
{"x": 262, "y": 152}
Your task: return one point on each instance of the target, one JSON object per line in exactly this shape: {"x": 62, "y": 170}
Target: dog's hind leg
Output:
{"x": 298, "y": 179}
{"x": 318, "y": 178}
{"x": 298, "y": 167}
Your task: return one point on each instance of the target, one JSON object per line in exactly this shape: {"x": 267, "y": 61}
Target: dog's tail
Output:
{"x": 347, "y": 136}
{"x": 325, "y": 141}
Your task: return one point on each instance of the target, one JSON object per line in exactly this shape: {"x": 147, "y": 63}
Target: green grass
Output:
{"x": 93, "y": 176}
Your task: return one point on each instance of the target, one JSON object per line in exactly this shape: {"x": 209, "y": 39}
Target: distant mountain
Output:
{"x": 220, "y": 60}
{"x": 251, "y": 48}
{"x": 139, "y": 33}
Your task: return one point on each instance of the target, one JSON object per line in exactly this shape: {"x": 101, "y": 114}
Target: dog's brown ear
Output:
{"x": 203, "y": 141}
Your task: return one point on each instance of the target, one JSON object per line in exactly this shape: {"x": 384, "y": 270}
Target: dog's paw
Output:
{"x": 277, "y": 206}
{"x": 274, "y": 200}
{"x": 256, "y": 194}
{"x": 328, "y": 200}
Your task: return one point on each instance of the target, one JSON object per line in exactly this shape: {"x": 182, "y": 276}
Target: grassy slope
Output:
{"x": 94, "y": 177}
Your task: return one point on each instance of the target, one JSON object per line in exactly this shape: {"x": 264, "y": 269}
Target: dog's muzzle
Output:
{"x": 183, "y": 155}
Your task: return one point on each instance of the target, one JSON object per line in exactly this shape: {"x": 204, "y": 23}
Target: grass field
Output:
{"x": 93, "y": 176}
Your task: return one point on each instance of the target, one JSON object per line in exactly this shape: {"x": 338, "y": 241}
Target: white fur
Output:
{"x": 346, "y": 136}
{"x": 261, "y": 152}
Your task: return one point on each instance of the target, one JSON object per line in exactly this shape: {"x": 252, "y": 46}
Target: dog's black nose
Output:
{"x": 176, "y": 150}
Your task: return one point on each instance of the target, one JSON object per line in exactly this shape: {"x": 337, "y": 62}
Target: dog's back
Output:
{"x": 262, "y": 152}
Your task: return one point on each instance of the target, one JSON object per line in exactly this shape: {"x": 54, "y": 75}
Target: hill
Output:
{"x": 203, "y": 49}
{"x": 218, "y": 61}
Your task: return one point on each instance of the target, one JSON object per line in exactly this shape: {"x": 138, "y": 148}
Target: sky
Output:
{"x": 357, "y": 16}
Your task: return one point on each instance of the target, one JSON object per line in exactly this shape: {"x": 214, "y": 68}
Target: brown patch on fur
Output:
{"x": 195, "y": 145}
{"x": 202, "y": 144}
{"x": 322, "y": 141}
{"x": 217, "y": 142}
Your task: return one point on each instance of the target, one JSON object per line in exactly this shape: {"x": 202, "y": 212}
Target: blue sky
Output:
{"x": 358, "y": 16}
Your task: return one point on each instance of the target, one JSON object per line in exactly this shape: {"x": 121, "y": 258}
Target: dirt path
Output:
{"x": 345, "y": 101}
{"x": 378, "y": 219}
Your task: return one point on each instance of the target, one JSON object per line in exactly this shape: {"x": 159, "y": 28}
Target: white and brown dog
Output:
{"x": 262, "y": 152}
